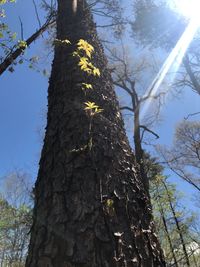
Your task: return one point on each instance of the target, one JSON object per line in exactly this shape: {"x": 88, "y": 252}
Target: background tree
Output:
{"x": 158, "y": 26}
{"x": 173, "y": 224}
{"x": 184, "y": 157}
{"x": 15, "y": 219}
{"x": 126, "y": 77}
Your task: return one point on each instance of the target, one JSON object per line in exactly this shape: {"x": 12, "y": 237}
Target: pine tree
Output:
{"x": 90, "y": 206}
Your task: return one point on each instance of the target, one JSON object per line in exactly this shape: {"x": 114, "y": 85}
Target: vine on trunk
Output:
{"x": 84, "y": 54}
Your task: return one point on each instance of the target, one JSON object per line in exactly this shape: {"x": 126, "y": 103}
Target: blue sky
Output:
{"x": 23, "y": 102}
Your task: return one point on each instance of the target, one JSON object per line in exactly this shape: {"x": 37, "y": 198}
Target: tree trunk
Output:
{"x": 139, "y": 152}
{"x": 90, "y": 206}
{"x": 191, "y": 74}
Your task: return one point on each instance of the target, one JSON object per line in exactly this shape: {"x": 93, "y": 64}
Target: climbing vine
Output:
{"x": 84, "y": 53}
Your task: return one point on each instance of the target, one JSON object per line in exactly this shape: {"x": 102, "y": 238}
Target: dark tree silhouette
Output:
{"x": 90, "y": 205}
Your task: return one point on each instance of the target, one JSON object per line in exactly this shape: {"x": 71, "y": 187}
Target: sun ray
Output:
{"x": 172, "y": 63}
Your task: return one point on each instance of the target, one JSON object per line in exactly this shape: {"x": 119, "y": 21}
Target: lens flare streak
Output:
{"x": 172, "y": 63}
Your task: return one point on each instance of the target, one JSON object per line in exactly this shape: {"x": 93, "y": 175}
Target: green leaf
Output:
{"x": 22, "y": 44}
{"x": 2, "y": 2}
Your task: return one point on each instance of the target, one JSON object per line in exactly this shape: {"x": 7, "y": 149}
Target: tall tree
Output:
{"x": 15, "y": 219}
{"x": 173, "y": 223}
{"x": 91, "y": 208}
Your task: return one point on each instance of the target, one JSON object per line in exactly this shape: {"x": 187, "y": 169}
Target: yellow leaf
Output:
{"x": 90, "y": 105}
{"x": 75, "y": 54}
{"x": 86, "y": 47}
{"x": 109, "y": 203}
{"x": 83, "y": 61}
{"x": 22, "y": 44}
{"x": 93, "y": 108}
{"x": 87, "y": 86}
{"x": 96, "y": 71}
{"x": 98, "y": 110}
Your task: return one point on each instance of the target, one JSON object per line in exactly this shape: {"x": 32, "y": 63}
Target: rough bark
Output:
{"x": 139, "y": 152}
{"x": 91, "y": 209}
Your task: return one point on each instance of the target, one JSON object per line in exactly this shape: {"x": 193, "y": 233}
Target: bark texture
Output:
{"x": 91, "y": 209}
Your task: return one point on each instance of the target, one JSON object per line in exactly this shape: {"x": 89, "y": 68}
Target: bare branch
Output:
{"x": 22, "y": 30}
{"x": 127, "y": 108}
{"x": 150, "y": 131}
{"x": 37, "y": 15}
{"x": 190, "y": 115}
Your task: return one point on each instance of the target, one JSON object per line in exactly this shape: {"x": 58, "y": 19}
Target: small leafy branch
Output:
{"x": 92, "y": 108}
{"x": 84, "y": 54}
{"x": 7, "y": 38}
{"x": 86, "y": 86}
{"x": 4, "y": 27}
{"x": 22, "y": 44}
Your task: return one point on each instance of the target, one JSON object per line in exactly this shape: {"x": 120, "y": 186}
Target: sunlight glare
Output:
{"x": 189, "y": 9}
{"x": 172, "y": 63}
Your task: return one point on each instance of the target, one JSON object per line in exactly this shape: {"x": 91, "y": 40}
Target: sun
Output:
{"x": 189, "y": 9}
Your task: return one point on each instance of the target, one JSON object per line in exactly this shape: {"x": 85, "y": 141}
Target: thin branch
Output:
{"x": 150, "y": 131}
{"x": 18, "y": 51}
{"x": 193, "y": 79}
{"x": 190, "y": 115}
{"x": 126, "y": 108}
{"x": 124, "y": 87}
{"x": 22, "y": 29}
{"x": 37, "y": 15}
{"x": 179, "y": 174}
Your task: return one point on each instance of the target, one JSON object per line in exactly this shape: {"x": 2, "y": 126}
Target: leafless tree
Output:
{"x": 184, "y": 157}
